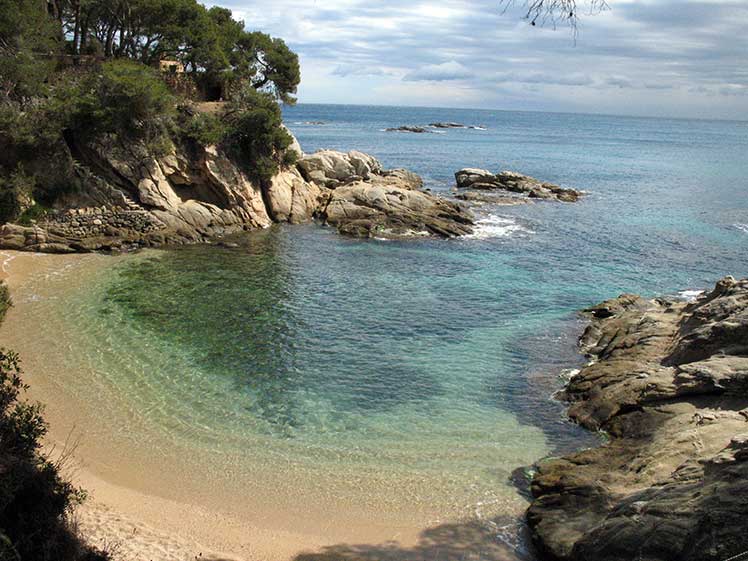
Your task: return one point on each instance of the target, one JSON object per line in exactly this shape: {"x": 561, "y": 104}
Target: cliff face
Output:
{"x": 130, "y": 196}
{"x": 670, "y": 386}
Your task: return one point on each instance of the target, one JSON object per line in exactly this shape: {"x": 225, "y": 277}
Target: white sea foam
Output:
{"x": 742, "y": 227}
{"x": 690, "y": 295}
{"x": 568, "y": 373}
{"x": 497, "y": 227}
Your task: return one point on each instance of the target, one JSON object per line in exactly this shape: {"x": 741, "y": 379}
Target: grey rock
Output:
{"x": 513, "y": 182}
{"x": 408, "y": 128}
{"x": 669, "y": 384}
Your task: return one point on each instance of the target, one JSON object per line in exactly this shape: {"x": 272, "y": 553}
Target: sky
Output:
{"x": 680, "y": 58}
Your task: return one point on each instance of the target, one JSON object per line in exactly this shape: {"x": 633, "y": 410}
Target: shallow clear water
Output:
{"x": 409, "y": 378}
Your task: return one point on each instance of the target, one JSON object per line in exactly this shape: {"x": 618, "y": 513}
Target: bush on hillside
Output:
{"x": 203, "y": 128}
{"x": 250, "y": 130}
{"x": 35, "y": 500}
{"x": 123, "y": 97}
{"x": 16, "y": 194}
{"x": 256, "y": 135}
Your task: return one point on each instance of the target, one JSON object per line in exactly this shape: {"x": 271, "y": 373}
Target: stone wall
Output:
{"x": 103, "y": 221}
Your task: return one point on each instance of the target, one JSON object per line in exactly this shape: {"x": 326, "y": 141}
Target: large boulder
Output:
{"x": 513, "y": 182}
{"x": 330, "y": 168}
{"x": 362, "y": 199}
{"x": 669, "y": 384}
{"x": 292, "y": 199}
{"x": 391, "y": 208}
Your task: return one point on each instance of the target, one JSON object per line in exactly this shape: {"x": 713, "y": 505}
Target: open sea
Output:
{"x": 391, "y": 383}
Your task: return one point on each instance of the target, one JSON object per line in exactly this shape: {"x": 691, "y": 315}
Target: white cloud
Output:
{"x": 641, "y": 57}
{"x": 443, "y": 72}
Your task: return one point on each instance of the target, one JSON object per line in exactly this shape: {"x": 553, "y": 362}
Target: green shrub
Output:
{"x": 35, "y": 500}
{"x": 256, "y": 136}
{"x": 124, "y": 98}
{"x": 5, "y": 303}
{"x": 26, "y": 31}
{"x": 16, "y": 194}
{"x": 32, "y": 214}
{"x": 204, "y": 128}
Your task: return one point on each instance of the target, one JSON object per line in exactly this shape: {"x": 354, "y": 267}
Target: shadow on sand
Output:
{"x": 496, "y": 540}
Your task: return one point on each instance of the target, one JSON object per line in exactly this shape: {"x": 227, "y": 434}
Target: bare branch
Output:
{"x": 553, "y": 12}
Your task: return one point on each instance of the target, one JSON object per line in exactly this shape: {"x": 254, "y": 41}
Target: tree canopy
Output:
{"x": 214, "y": 47}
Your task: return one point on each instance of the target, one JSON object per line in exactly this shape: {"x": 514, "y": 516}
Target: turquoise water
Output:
{"x": 409, "y": 376}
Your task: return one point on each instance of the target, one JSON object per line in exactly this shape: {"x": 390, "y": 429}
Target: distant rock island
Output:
{"x": 483, "y": 186}
{"x": 455, "y": 126}
{"x": 409, "y": 128}
{"x": 669, "y": 385}
{"x": 417, "y": 129}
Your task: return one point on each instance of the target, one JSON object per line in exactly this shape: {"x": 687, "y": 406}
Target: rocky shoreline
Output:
{"x": 668, "y": 383}
{"x": 131, "y": 198}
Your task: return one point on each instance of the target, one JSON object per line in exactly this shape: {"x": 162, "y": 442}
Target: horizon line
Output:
{"x": 592, "y": 114}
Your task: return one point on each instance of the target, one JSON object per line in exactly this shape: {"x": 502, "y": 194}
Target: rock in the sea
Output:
{"x": 292, "y": 199}
{"x": 362, "y": 199}
{"x": 492, "y": 198}
{"x": 408, "y": 128}
{"x": 513, "y": 182}
{"x": 441, "y": 125}
{"x": 387, "y": 208}
{"x": 670, "y": 386}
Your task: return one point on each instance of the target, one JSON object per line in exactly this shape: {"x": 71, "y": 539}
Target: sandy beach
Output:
{"x": 141, "y": 509}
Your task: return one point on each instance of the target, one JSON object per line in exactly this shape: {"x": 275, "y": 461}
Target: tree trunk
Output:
{"x": 76, "y": 27}
{"x": 109, "y": 46}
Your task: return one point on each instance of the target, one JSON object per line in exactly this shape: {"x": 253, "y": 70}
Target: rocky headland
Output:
{"x": 130, "y": 197}
{"x": 668, "y": 383}
{"x": 508, "y": 187}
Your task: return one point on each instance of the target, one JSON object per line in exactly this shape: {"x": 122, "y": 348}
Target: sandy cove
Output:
{"x": 140, "y": 524}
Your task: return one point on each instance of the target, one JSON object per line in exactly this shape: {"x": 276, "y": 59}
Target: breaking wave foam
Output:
{"x": 497, "y": 227}
{"x": 690, "y": 295}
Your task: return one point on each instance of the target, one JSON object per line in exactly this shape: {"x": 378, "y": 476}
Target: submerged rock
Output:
{"x": 670, "y": 386}
{"x": 513, "y": 182}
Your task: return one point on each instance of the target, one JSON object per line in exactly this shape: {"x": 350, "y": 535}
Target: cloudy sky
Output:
{"x": 686, "y": 58}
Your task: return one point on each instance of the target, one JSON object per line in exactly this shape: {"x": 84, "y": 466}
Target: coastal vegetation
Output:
{"x": 36, "y": 500}
{"x": 74, "y": 72}
{"x": 4, "y": 300}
